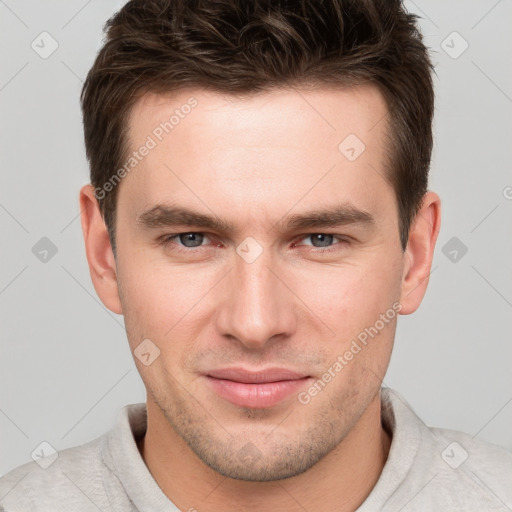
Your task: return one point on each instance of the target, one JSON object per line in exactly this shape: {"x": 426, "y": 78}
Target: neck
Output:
{"x": 341, "y": 481}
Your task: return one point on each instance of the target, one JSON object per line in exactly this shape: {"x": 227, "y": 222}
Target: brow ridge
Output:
{"x": 164, "y": 215}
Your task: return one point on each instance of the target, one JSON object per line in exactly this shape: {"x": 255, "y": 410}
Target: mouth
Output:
{"x": 256, "y": 389}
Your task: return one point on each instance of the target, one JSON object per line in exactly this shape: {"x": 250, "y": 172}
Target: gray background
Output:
{"x": 65, "y": 366}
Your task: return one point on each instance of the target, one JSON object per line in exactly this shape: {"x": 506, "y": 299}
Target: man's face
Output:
{"x": 273, "y": 285}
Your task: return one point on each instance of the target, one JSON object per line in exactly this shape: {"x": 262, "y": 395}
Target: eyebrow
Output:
{"x": 164, "y": 215}
{"x": 340, "y": 215}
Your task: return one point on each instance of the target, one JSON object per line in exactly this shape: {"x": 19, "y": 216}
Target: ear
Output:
{"x": 419, "y": 253}
{"x": 102, "y": 264}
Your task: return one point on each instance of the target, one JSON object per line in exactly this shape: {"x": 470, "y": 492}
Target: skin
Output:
{"x": 253, "y": 162}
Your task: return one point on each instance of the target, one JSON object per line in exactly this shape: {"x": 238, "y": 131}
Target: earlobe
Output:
{"x": 102, "y": 264}
{"x": 420, "y": 252}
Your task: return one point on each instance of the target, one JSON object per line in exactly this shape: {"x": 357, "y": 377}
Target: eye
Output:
{"x": 319, "y": 239}
{"x": 189, "y": 240}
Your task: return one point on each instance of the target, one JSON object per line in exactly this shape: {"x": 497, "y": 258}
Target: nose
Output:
{"x": 256, "y": 307}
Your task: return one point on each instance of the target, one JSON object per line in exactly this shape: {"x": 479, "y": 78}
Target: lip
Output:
{"x": 256, "y": 389}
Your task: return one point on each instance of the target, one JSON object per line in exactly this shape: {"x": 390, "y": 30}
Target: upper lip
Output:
{"x": 254, "y": 377}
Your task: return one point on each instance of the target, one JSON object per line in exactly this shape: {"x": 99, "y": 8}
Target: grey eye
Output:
{"x": 321, "y": 240}
{"x": 191, "y": 239}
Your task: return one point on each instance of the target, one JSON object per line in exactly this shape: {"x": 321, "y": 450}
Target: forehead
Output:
{"x": 266, "y": 151}
{"x": 325, "y": 113}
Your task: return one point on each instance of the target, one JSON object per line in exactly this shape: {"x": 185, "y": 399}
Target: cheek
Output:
{"x": 162, "y": 302}
{"x": 351, "y": 297}
{"x": 351, "y": 302}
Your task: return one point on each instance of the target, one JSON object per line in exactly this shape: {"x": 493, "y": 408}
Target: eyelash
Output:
{"x": 167, "y": 240}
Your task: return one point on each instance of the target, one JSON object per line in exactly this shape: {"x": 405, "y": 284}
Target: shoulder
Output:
{"x": 448, "y": 469}
{"x": 466, "y": 456}
{"x": 465, "y": 473}
{"x": 72, "y": 479}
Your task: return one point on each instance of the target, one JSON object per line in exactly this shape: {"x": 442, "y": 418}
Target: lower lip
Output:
{"x": 256, "y": 396}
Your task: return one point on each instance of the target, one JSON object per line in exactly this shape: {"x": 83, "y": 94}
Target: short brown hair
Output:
{"x": 251, "y": 46}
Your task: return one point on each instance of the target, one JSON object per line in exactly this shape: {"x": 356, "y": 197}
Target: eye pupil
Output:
{"x": 191, "y": 239}
{"x": 321, "y": 240}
